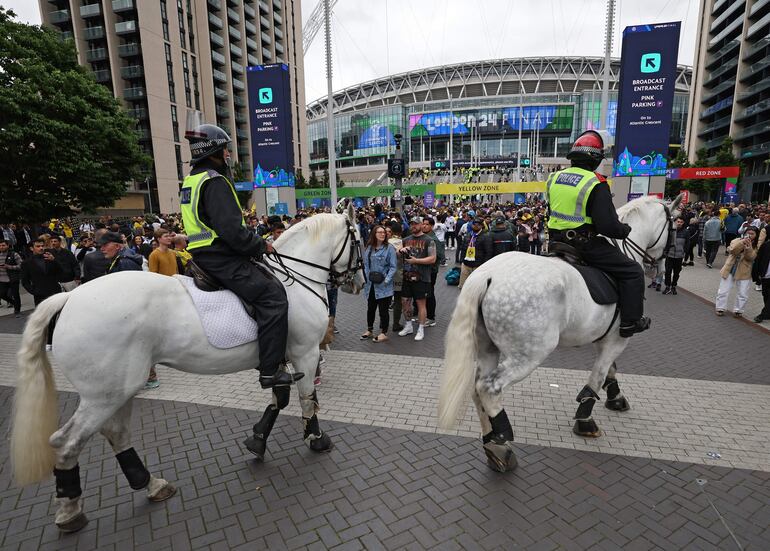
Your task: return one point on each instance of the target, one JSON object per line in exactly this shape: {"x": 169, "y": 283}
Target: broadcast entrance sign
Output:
{"x": 648, "y": 70}
{"x": 272, "y": 151}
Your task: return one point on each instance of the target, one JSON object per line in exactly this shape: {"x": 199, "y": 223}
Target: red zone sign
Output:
{"x": 702, "y": 173}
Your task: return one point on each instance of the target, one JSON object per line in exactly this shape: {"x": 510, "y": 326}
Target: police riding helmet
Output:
{"x": 588, "y": 147}
{"x": 206, "y": 140}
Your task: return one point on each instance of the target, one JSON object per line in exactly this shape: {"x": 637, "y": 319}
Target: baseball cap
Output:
{"x": 499, "y": 220}
{"x": 415, "y": 220}
{"x": 110, "y": 237}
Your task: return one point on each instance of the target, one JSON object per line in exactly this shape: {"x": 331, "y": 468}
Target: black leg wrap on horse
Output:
{"x": 611, "y": 387}
{"x": 68, "y": 482}
{"x": 316, "y": 440}
{"x": 587, "y": 399}
{"x": 137, "y": 474}
{"x": 501, "y": 429}
{"x": 311, "y": 426}
{"x": 281, "y": 396}
{"x": 265, "y": 425}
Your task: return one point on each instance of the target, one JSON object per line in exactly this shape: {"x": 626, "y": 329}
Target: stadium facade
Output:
{"x": 545, "y": 102}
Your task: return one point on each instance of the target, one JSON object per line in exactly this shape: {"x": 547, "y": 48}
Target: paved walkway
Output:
{"x": 689, "y": 461}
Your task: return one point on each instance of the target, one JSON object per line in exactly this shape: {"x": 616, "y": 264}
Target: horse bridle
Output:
{"x": 336, "y": 279}
{"x": 634, "y": 248}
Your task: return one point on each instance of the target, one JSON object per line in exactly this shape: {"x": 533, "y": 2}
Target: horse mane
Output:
{"x": 312, "y": 227}
{"x": 637, "y": 205}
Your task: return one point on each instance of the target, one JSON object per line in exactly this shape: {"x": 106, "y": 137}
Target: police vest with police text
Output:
{"x": 198, "y": 233}
{"x": 568, "y": 192}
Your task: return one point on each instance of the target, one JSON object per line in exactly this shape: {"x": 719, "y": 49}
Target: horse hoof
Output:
{"x": 77, "y": 523}
{"x": 500, "y": 457}
{"x": 163, "y": 494}
{"x": 321, "y": 444}
{"x": 256, "y": 446}
{"x": 587, "y": 428}
{"x": 618, "y": 404}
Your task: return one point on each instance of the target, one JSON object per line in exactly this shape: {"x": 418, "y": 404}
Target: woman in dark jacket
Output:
{"x": 675, "y": 256}
{"x": 693, "y": 231}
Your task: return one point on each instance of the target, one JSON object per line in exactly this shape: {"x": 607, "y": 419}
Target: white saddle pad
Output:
{"x": 222, "y": 315}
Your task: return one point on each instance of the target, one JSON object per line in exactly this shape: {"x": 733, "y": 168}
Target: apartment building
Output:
{"x": 164, "y": 58}
{"x": 731, "y": 88}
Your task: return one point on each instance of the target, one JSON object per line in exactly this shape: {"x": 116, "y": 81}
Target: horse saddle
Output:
{"x": 602, "y": 287}
{"x": 224, "y": 317}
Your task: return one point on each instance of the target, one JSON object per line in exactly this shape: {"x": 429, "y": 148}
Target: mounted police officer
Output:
{"x": 222, "y": 245}
{"x": 581, "y": 210}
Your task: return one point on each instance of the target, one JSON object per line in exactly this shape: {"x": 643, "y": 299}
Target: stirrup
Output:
{"x": 280, "y": 378}
{"x": 636, "y": 327}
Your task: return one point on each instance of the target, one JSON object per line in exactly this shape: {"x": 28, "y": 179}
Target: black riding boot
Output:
{"x": 271, "y": 377}
{"x": 628, "y": 328}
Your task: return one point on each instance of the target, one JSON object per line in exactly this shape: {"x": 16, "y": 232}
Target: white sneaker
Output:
{"x": 420, "y": 333}
{"x": 407, "y": 330}
{"x": 757, "y": 287}
{"x": 48, "y": 347}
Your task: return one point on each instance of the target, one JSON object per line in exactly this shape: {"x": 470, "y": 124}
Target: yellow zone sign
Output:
{"x": 492, "y": 188}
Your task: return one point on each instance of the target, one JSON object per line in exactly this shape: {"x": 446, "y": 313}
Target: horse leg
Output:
{"x": 616, "y": 401}
{"x": 609, "y": 349}
{"x": 117, "y": 431}
{"x": 257, "y": 442}
{"x": 67, "y": 443}
{"x": 315, "y": 438}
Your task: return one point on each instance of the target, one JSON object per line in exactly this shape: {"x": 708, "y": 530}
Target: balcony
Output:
{"x": 757, "y": 48}
{"x": 755, "y": 68}
{"x": 243, "y": 151}
{"x": 132, "y": 71}
{"x": 97, "y": 54}
{"x": 724, "y": 68}
{"x": 725, "y": 14}
{"x": 126, "y": 27}
{"x": 129, "y": 50}
{"x": 277, "y": 18}
{"x": 242, "y": 135}
{"x": 91, "y": 10}
{"x": 252, "y": 60}
{"x": 234, "y": 33}
{"x": 764, "y": 22}
{"x": 233, "y": 16}
{"x": 758, "y": 5}
{"x": 93, "y": 33}
{"x": 755, "y": 150}
{"x": 719, "y": 123}
{"x": 238, "y": 100}
{"x": 263, "y": 7}
{"x": 251, "y": 29}
{"x": 102, "y": 76}
{"x": 267, "y": 54}
{"x": 754, "y": 89}
{"x": 238, "y": 84}
{"x": 761, "y": 128}
{"x": 59, "y": 16}
{"x": 716, "y": 59}
{"x": 278, "y": 33}
{"x": 219, "y": 93}
{"x": 236, "y": 51}
{"x": 142, "y": 134}
{"x": 266, "y": 38}
{"x": 759, "y": 107}
{"x": 65, "y": 35}
{"x": 119, "y": 6}
{"x": 139, "y": 113}
{"x": 237, "y": 67}
{"x": 215, "y": 21}
{"x": 263, "y": 22}
{"x": 215, "y": 5}
{"x": 278, "y": 48}
{"x": 716, "y": 142}
{"x": 240, "y": 118}
{"x": 216, "y": 39}
{"x": 226, "y": 129}
{"x": 733, "y": 26}
{"x": 249, "y": 11}
{"x": 219, "y": 75}
{"x": 223, "y": 112}
{"x": 135, "y": 93}
{"x": 718, "y": 89}
{"x": 252, "y": 44}
{"x": 277, "y": 4}
{"x": 216, "y": 57}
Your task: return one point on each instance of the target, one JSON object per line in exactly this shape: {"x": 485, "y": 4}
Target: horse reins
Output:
{"x": 630, "y": 247}
{"x": 334, "y": 276}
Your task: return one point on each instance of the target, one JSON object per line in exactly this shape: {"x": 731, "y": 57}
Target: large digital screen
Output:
{"x": 492, "y": 121}
{"x": 368, "y": 132}
{"x": 272, "y": 150}
{"x": 646, "y": 99}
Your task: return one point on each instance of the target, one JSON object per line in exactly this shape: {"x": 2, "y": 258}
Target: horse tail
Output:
{"x": 461, "y": 352}
{"x": 35, "y": 406}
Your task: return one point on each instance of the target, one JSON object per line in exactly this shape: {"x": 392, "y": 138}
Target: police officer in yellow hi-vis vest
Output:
{"x": 222, "y": 245}
{"x": 581, "y": 209}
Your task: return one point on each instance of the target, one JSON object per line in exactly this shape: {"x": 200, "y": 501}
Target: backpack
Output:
{"x": 452, "y": 277}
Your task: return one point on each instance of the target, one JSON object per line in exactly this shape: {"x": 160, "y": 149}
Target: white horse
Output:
{"x": 112, "y": 330}
{"x": 494, "y": 339}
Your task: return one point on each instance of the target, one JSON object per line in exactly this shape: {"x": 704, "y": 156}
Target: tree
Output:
{"x": 313, "y": 181}
{"x": 673, "y": 187}
{"x": 65, "y": 143}
{"x": 340, "y": 182}
{"x": 325, "y": 178}
{"x": 299, "y": 180}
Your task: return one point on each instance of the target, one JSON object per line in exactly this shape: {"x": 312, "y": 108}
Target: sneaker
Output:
{"x": 407, "y": 330}
{"x": 737, "y": 314}
{"x": 673, "y": 290}
{"x": 757, "y": 287}
{"x": 397, "y": 327}
{"x": 151, "y": 384}
{"x": 48, "y": 347}
{"x": 430, "y": 323}
{"x": 657, "y": 287}
{"x": 420, "y": 333}
{"x": 652, "y": 285}
{"x": 443, "y": 264}
{"x": 709, "y": 265}
{"x": 335, "y": 330}
{"x": 759, "y": 319}
{"x": 720, "y": 312}
{"x": 667, "y": 290}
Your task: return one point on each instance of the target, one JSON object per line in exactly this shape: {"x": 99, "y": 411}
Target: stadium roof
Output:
{"x": 498, "y": 77}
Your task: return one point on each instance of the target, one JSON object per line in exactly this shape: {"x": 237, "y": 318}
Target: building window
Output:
{"x": 195, "y": 84}
{"x": 178, "y": 151}
{"x": 168, "y": 52}
{"x": 186, "y": 74}
{"x": 165, "y": 30}
{"x": 182, "y": 39}
{"x": 164, "y": 18}
{"x": 175, "y": 123}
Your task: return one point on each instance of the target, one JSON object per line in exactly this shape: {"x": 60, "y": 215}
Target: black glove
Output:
{"x": 627, "y": 230}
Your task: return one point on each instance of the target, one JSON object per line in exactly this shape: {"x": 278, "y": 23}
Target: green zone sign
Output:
{"x": 374, "y": 191}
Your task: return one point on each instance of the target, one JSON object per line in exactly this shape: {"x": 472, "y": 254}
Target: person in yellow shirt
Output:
{"x": 180, "y": 249}
{"x": 162, "y": 261}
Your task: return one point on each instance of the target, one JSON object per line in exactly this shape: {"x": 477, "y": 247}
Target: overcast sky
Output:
{"x": 374, "y": 38}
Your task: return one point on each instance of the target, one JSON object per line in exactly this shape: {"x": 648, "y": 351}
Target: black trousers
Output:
{"x": 373, "y": 304}
{"x": 598, "y": 252}
{"x": 264, "y": 292}
{"x": 10, "y": 291}
{"x": 52, "y": 324}
{"x": 729, "y": 238}
{"x": 765, "y": 313}
{"x": 689, "y": 254}
{"x": 431, "y": 303}
{"x": 712, "y": 247}
{"x": 673, "y": 269}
